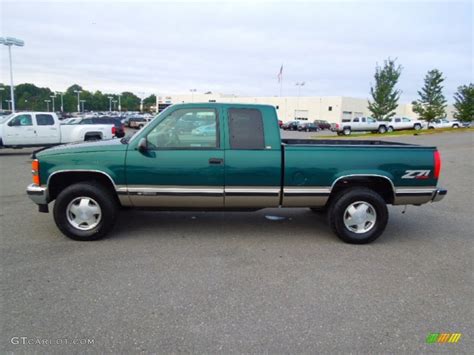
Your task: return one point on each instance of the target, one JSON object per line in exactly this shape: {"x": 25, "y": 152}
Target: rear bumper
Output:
{"x": 439, "y": 195}
{"x": 37, "y": 194}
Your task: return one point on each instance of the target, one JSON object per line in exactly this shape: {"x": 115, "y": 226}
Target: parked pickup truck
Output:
{"x": 360, "y": 124}
{"x": 40, "y": 129}
{"x": 243, "y": 165}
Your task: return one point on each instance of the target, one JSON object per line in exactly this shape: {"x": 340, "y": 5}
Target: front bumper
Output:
{"x": 439, "y": 195}
{"x": 37, "y": 194}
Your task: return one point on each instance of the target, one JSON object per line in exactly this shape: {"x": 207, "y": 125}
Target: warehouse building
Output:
{"x": 329, "y": 108}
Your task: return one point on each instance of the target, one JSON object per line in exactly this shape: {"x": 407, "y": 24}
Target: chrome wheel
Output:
{"x": 84, "y": 213}
{"x": 360, "y": 217}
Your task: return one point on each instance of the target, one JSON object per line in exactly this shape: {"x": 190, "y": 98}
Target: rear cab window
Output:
{"x": 44, "y": 120}
{"x": 246, "y": 128}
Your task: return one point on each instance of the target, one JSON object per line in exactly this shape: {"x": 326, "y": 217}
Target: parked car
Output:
{"x": 119, "y": 126}
{"x": 244, "y": 165}
{"x": 290, "y": 126}
{"x": 204, "y": 130}
{"x": 308, "y": 127}
{"x": 401, "y": 123}
{"x": 280, "y": 123}
{"x": 138, "y": 121}
{"x": 322, "y": 124}
{"x": 360, "y": 124}
{"x": 40, "y": 129}
{"x": 444, "y": 123}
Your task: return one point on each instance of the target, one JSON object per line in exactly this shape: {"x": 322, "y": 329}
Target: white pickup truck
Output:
{"x": 401, "y": 123}
{"x": 40, "y": 129}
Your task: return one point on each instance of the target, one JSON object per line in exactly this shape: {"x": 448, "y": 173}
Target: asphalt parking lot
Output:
{"x": 239, "y": 282}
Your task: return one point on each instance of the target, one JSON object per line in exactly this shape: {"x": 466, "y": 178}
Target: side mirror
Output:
{"x": 142, "y": 145}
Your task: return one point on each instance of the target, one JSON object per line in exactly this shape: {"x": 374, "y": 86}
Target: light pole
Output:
{"x": 53, "y": 97}
{"x": 82, "y": 103}
{"x": 299, "y": 85}
{"x": 1, "y": 101}
{"x": 110, "y": 103}
{"x": 9, "y": 42}
{"x": 47, "y": 104}
{"x": 78, "y": 92}
{"x": 115, "y": 106}
{"x": 192, "y": 94}
{"x": 62, "y": 102}
{"x": 119, "y": 102}
{"x": 9, "y": 102}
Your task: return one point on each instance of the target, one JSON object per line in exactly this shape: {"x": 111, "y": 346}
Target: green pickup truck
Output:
{"x": 212, "y": 156}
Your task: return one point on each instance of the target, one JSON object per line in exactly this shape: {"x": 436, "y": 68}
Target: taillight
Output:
{"x": 35, "y": 172}
{"x": 437, "y": 164}
{"x": 113, "y": 130}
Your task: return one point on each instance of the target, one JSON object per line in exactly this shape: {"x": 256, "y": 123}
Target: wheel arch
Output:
{"x": 381, "y": 184}
{"x": 61, "y": 179}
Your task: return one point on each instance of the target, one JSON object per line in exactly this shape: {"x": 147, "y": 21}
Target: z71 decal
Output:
{"x": 416, "y": 174}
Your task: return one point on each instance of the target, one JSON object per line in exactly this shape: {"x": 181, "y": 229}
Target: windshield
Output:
{"x": 130, "y": 139}
{"x": 5, "y": 118}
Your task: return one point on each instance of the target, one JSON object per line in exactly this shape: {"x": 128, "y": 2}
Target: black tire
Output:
{"x": 455, "y": 126}
{"x": 104, "y": 198}
{"x": 382, "y": 129}
{"x": 390, "y": 129}
{"x": 346, "y": 131}
{"x": 338, "y": 208}
{"x": 417, "y": 126}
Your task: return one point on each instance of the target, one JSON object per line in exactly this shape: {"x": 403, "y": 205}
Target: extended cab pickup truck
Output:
{"x": 40, "y": 129}
{"x": 241, "y": 163}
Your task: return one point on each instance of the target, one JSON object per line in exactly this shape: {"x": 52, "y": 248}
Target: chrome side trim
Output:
{"x": 413, "y": 195}
{"x": 251, "y": 196}
{"x": 298, "y": 196}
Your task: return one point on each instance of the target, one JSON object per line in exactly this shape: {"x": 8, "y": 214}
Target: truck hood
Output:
{"x": 85, "y": 147}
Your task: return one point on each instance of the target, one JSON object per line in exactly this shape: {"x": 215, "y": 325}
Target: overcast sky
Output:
{"x": 237, "y": 47}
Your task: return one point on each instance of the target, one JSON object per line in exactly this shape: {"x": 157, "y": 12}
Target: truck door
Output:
{"x": 20, "y": 130}
{"x": 183, "y": 165}
{"x": 252, "y": 158}
{"x": 47, "y": 130}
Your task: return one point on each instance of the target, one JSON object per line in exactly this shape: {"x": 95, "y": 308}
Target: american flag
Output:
{"x": 280, "y": 74}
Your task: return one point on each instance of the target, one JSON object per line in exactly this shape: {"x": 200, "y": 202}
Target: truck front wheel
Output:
{"x": 358, "y": 215}
{"x": 85, "y": 211}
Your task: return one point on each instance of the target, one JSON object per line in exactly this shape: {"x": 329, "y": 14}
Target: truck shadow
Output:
{"x": 296, "y": 223}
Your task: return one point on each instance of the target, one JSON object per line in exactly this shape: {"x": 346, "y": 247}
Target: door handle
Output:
{"x": 216, "y": 161}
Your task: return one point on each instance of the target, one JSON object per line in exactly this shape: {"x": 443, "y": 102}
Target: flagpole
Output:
{"x": 281, "y": 83}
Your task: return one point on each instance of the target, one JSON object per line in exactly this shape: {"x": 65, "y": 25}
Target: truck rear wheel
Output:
{"x": 358, "y": 215}
{"x": 382, "y": 129}
{"x": 85, "y": 211}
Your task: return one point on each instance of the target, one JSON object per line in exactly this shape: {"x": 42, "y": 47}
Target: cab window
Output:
{"x": 21, "y": 120}
{"x": 397, "y": 120}
{"x": 355, "y": 120}
{"x": 44, "y": 120}
{"x": 246, "y": 128}
{"x": 186, "y": 129}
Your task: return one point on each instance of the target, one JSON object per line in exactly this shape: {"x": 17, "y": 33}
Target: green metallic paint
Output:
{"x": 304, "y": 165}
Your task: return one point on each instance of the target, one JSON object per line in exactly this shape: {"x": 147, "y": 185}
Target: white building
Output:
{"x": 329, "y": 108}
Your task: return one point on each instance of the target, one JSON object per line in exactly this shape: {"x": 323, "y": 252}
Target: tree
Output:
{"x": 464, "y": 103}
{"x": 385, "y": 96}
{"x": 432, "y": 103}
